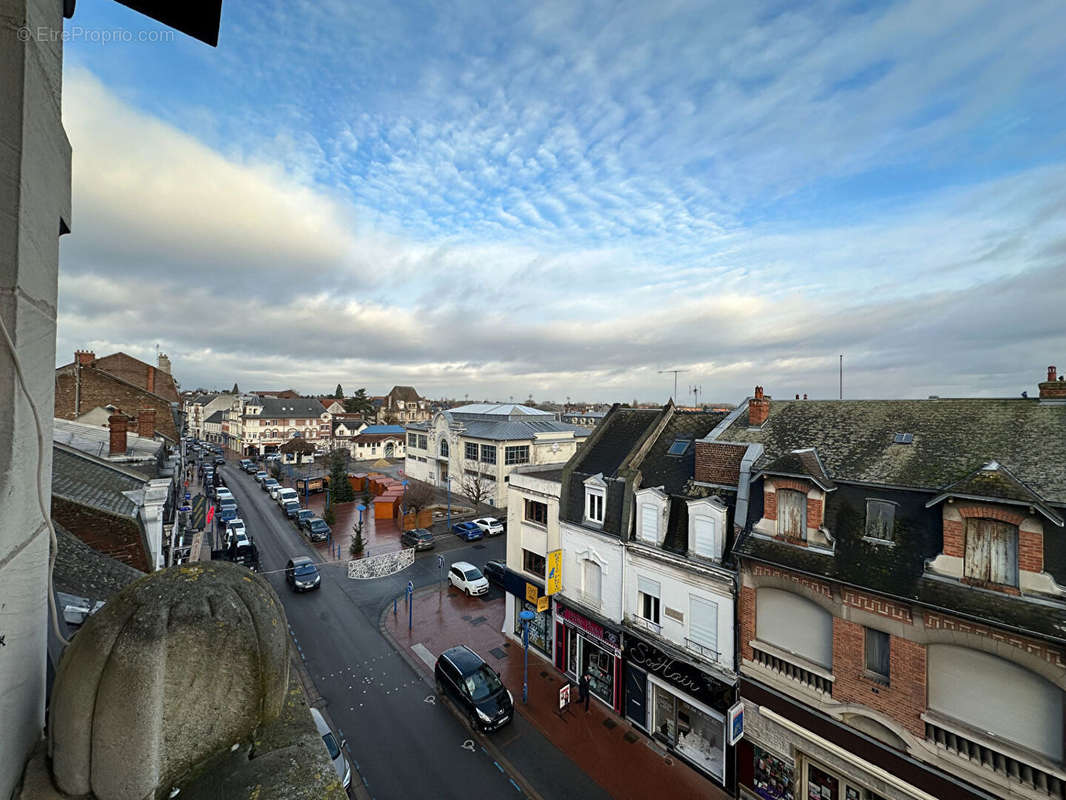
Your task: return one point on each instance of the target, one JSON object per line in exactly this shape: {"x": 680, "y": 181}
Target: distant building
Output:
{"x": 379, "y": 441}
{"x": 402, "y": 405}
{"x": 259, "y": 425}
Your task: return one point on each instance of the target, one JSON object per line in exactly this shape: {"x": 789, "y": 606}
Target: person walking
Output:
{"x": 583, "y": 689}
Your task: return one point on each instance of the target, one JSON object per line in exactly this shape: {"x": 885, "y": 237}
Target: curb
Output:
{"x": 485, "y": 742}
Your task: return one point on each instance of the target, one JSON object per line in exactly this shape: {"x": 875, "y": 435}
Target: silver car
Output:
{"x": 336, "y": 752}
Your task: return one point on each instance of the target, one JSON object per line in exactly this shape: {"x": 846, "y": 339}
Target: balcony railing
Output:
{"x": 646, "y": 624}
{"x": 984, "y": 755}
{"x": 702, "y": 650}
{"x": 816, "y": 680}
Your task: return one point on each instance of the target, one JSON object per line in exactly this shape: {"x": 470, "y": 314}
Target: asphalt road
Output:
{"x": 404, "y": 743}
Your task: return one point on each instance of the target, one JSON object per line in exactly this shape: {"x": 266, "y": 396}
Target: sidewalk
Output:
{"x": 620, "y": 758}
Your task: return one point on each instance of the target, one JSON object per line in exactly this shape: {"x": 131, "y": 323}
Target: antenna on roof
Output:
{"x": 841, "y": 376}
{"x": 674, "y": 371}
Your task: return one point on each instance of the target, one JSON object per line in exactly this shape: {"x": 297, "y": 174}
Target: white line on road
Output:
{"x": 423, "y": 652}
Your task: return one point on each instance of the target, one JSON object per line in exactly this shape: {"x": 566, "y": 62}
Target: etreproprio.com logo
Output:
{"x": 78, "y": 33}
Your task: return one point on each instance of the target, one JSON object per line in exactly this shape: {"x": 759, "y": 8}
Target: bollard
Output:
{"x": 394, "y": 606}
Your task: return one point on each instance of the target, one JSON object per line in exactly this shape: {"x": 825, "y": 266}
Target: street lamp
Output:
{"x": 526, "y": 617}
{"x": 448, "y": 483}
{"x": 403, "y": 507}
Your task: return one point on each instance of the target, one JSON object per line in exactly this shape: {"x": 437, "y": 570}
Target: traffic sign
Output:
{"x": 440, "y": 561}
{"x": 410, "y": 587}
{"x": 554, "y": 583}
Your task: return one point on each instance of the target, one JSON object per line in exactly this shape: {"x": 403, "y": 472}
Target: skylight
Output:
{"x": 678, "y": 448}
{"x": 903, "y": 438}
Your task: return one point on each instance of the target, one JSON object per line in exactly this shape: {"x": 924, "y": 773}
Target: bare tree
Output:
{"x": 475, "y": 488}
{"x": 418, "y": 496}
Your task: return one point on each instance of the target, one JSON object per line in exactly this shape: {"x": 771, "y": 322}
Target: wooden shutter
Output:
{"x": 791, "y": 514}
{"x": 703, "y": 622}
{"x": 991, "y": 551}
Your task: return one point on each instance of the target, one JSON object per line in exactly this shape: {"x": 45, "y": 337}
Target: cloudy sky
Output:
{"x": 563, "y": 198}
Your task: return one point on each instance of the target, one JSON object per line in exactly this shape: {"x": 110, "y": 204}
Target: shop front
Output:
{"x": 680, "y": 705}
{"x": 522, "y": 595}
{"x": 584, "y": 646}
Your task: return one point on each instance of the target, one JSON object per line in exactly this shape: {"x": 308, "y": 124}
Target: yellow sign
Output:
{"x": 542, "y": 604}
{"x": 554, "y": 580}
{"x": 531, "y": 593}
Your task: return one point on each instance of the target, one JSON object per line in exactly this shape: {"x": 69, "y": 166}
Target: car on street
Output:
{"x": 261, "y": 476}
{"x": 317, "y": 529}
{"x": 490, "y": 526}
{"x": 269, "y": 484}
{"x": 291, "y": 508}
{"x": 220, "y": 460}
{"x": 285, "y": 495}
{"x": 227, "y": 509}
{"x": 465, "y": 577}
{"x": 245, "y": 463}
{"x": 222, "y": 492}
{"x": 468, "y": 531}
{"x": 251, "y": 468}
{"x": 494, "y": 571}
{"x": 302, "y": 514}
{"x": 336, "y": 751}
{"x": 235, "y": 527}
{"x": 302, "y": 574}
{"x": 274, "y": 457}
{"x": 463, "y": 676}
{"x": 418, "y": 538}
{"x": 274, "y": 490}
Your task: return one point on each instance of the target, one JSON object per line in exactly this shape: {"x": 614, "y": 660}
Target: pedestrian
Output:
{"x": 583, "y": 687}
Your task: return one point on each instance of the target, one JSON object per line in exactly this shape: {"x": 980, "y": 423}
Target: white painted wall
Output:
{"x": 580, "y": 543}
{"x": 523, "y": 534}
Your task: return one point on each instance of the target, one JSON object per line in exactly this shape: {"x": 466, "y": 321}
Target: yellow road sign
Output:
{"x": 531, "y": 593}
{"x": 542, "y": 604}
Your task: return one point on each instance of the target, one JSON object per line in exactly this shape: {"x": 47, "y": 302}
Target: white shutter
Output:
{"x": 795, "y": 624}
{"x": 992, "y": 694}
{"x": 703, "y": 622}
{"x": 705, "y": 538}
{"x": 592, "y": 580}
{"x": 647, "y": 586}
{"x": 649, "y": 522}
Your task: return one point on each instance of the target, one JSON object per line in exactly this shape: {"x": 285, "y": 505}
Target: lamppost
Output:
{"x": 403, "y": 507}
{"x": 448, "y": 483}
{"x": 526, "y": 617}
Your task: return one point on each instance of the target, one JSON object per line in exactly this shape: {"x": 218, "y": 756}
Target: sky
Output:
{"x": 561, "y": 199}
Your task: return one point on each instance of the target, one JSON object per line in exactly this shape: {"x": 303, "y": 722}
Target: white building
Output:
{"x": 378, "y": 441}
{"x": 477, "y": 447}
{"x": 199, "y": 408}
{"x": 258, "y": 425}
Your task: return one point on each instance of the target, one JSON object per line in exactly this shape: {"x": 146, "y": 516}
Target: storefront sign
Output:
{"x": 555, "y": 572}
{"x": 683, "y": 677}
{"x": 735, "y": 723}
{"x": 564, "y": 696}
{"x": 610, "y": 638}
{"x": 531, "y": 593}
{"x": 542, "y": 604}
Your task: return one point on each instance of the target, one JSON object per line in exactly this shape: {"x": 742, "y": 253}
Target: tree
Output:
{"x": 338, "y": 393}
{"x": 328, "y": 516}
{"x": 358, "y": 544}
{"x": 359, "y": 403}
{"x": 475, "y": 488}
{"x": 339, "y": 487}
{"x": 418, "y": 496}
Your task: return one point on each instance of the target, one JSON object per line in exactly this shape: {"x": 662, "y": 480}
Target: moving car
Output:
{"x": 336, "y": 752}
{"x": 317, "y": 529}
{"x": 291, "y": 509}
{"x": 302, "y": 574}
{"x": 494, "y": 571}
{"x": 475, "y": 687}
{"x": 418, "y": 538}
{"x": 490, "y": 526}
{"x": 468, "y": 531}
{"x": 467, "y": 578}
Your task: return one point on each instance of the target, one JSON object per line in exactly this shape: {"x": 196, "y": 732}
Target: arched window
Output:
{"x": 996, "y": 696}
{"x": 444, "y": 448}
{"x": 795, "y": 624}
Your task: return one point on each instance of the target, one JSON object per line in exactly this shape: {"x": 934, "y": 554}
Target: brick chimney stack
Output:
{"x": 151, "y": 379}
{"x": 758, "y": 408}
{"x": 146, "y": 423}
{"x": 84, "y": 357}
{"x": 117, "y": 423}
{"x": 164, "y": 363}
{"x": 1054, "y": 388}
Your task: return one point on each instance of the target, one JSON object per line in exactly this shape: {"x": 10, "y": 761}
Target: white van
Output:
{"x": 285, "y": 495}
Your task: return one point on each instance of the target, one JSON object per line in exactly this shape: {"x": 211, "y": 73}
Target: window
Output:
{"x": 880, "y": 516}
{"x": 444, "y": 448}
{"x": 678, "y": 447}
{"x": 703, "y": 625}
{"x": 648, "y": 599}
{"x": 878, "y": 649}
{"x": 471, "y": 451}
{"x": 792, "y": 514}
{"x": 516, "y": 454}
{"x": 991, "y": 552}
{"x": 903, "y": 438}
{"x": 412, "y": 440}
{"x": 537, "y": 512}
{"x": 594, "y": 505}
{"x": 794, "y": 624}
{"x": 488, "y": 453}
{"x": 591, "y": 575}
{"x": 533, "y": 563}
{"x": 649, "y": 523}
{"x": 705, "y": 537}
{"x": 423, "y": 441}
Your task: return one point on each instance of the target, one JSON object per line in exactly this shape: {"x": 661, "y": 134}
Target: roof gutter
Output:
{"x": 751, "y": 455}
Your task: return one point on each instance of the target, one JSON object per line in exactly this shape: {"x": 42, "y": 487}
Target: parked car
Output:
{"x": 222, "y": 492}
{"x": 475, "y": 687}
{"x": 490, "y": 526}
{"x": 317, "y": 529}
{"x": 227, "y": 509}
{"x": 274, "y": 489}
{"x": 245, "y": 463}
{"x": 495, "y": 571}
{"x": 291, "y": 509}
{"x": 274, "y": 457}
{"x": 261, "y": 476}
{"x": 285, "y": 495}
{"x": 269, "y": 484}
{"x": 468, "y": 531}
{"x": 302, "y": 514}
{"x": 465, "y": 577}
{"x": 302, "y": 574}
{"x": 336, "y": 751}
{"x": 251, "y": 468}
{"x": 235, "y": 526}
{"x": 220, "y": 460}
{"x": 418, "y": 538}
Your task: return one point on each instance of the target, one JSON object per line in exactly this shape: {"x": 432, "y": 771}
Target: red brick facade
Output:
{"x": 746, "y": 610}
{"x": 1052, "y": 655}
{"x": 145, "y": 376}
{"x": 99, "y": 389}
{"x": 877, "y": 605}
{"x": 118, "y": 537}
{"x": 903, "y": 699}
{"x": 1030, "y": 543}
{"x": 719, "y": 463}
{"x": 815, "y": 507}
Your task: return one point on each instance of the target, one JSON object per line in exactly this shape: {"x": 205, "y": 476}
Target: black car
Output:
{"x": 291, "y": 509}
{"x": 317, "y": 529}
{"x": 418, "y": 538}
{"x": 302, "y": 574}
{"x": 475, "y": 687}
{"x": 494, "y": 571}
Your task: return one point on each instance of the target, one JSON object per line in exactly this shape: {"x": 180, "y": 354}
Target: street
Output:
{"x": 402, "y": 741}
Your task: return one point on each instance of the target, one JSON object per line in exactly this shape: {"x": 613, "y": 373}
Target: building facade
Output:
{"x": 259, "y": 425}
{"x": 379, "y": 441}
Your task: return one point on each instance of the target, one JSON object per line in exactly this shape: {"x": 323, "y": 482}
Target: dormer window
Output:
{"x": 706, "y": 528}
{"x": 791, "y": 514}
{"x": 595, "y": 499}
{"x": 651, "y": 515}
{"x": 991, "y": 554}
{"x": 880, "y": 520}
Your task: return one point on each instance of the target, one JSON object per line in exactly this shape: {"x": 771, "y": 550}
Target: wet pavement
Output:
{"x": 619, "y": 757}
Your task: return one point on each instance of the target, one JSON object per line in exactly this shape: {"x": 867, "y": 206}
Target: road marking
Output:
{"x": 423, "y": 653}
{"x": 469, "y": 745}
{"x": 431, "y": 699}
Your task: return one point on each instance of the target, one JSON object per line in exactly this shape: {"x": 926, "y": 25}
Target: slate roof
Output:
{"x": 392, "y": 430}
{"x": 614, "y": 440}
{"x": 854, "y": 439}
{"x": 288, "y": 407}
{"x": 801, "y": 464}
{"x": 405, "y": 393}
{"x": 82, "y": 571}
{"x": 92, "y": 482}
{"x": 216, "y": 418}
{"x": 659, "y": 468}
{"x": 96, "y": 441}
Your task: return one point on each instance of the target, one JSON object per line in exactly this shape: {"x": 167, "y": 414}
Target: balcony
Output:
{"x": 646, "y": 624}
{"x": 702, "y": 650}
{"x": 1022, "y": 771}
{"x": 793, "y": 669}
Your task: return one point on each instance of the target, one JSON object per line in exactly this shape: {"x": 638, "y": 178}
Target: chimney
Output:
{"x": 84, "y": 357}
{"x": 164, "y": 363}
{"x": 117, "y": 422}
{"x": 758, "y": 408}
{"x": 151, "y": 379}
{"x": 1053, "y": 388}
{"x": 146, "y": 423}
{"x": 804, "y": 395}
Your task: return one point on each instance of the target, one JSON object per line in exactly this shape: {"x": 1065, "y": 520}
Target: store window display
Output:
{"x": 539, "y": 627}
{"x": 693, "y": 732}
{"x": 599, "y": 664}
{"x": 772, "y": 776}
